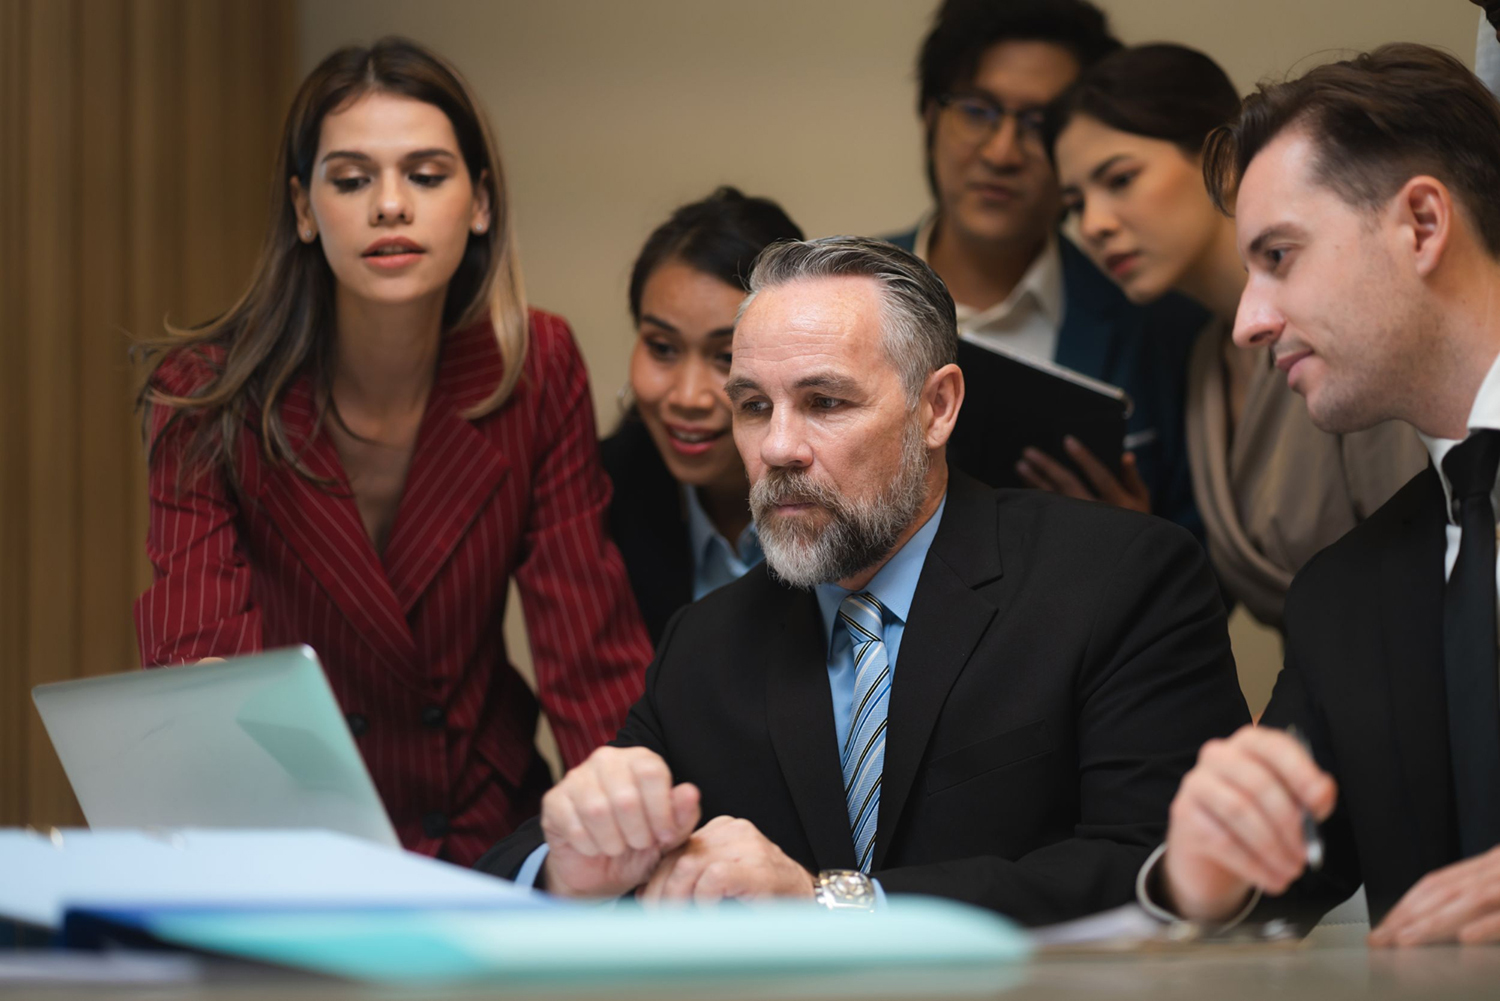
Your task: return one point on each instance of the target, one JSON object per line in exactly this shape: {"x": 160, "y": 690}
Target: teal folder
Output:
{"x": 580, "y": 945}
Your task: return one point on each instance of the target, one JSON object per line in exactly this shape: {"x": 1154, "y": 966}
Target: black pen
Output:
{"x": 1310, "y": 836}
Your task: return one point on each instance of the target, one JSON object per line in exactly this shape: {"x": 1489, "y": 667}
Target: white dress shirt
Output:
{"x": 1484, "y": 414}
{"x": 1028, "y": 320}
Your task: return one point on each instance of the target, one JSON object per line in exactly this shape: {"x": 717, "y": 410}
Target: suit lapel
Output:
{"x": 454, "y": 468}
{"x": 799, "y": 711}
{"x": 1412, "y": 625}
{"x": 945, "y": 624}
{"x": 321, "y": 523}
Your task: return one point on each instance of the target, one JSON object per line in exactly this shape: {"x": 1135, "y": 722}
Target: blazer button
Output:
{"x": 433, "y": 717}
{"x": 434, "y": 825}
{"x": 358, "y": 724}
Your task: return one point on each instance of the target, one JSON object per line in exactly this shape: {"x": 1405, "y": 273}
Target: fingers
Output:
{"x": 1237, "y": 822}
{"x": 1106, "y": 485}
{"x": 563, "y": 826}
{"x": 620, "y": 799}
{"x": 1283, "y": 755}
{"x": 621, "y": 807}
{"x": 1252, "y": 800}
{"x": 1137, "y": 495}
{"x": 1041, "y": 470}
{"x": 1445, "y": 905}
{"x": 655, "y": 784}
{"x": 1485, "y": 929}
{"x": 676, "y": 878}
{"x": 650, "y": 895}
{"x": 687, "y": 810}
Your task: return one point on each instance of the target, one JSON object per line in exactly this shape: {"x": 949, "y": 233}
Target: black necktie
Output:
{"x": 1469, "y": 654}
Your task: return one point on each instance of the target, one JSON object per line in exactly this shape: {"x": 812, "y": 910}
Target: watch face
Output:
{"x": 846, "y": 888}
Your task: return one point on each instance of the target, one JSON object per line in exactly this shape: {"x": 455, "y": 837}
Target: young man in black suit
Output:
{"x": 935, "y": 687}
{"x": 1368, "y": 218}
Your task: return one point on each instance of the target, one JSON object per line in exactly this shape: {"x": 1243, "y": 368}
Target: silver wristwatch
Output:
{"x": 844, "y": 890}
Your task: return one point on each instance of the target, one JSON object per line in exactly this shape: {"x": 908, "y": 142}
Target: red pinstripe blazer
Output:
{"x": 412, "y": 642}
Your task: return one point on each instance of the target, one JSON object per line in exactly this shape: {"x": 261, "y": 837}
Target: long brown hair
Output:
{"x": 281, "y": 326}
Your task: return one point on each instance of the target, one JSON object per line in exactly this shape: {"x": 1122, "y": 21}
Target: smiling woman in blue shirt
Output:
{"x": 681, "y": 514}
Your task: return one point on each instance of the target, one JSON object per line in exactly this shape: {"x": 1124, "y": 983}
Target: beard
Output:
{"x": 859, "y": 532}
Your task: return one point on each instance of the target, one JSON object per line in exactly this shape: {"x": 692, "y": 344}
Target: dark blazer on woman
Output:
{"x": 1062, "y": 663}
{"x": 648, "y": 524}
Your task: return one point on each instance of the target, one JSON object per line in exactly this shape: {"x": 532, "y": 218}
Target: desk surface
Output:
{"x": 1333, "y": 965}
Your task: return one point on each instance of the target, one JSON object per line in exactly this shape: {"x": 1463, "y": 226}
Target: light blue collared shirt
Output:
{"x": 715, "y": 561}
{"x": 893, "y": 586}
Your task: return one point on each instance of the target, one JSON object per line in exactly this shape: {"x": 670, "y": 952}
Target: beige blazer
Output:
{"x": 1281, "y": 489}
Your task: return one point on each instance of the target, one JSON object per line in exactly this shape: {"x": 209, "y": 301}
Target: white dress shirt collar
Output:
{"x": 1484, "y": 414}
{"x": 1037, "y": 301}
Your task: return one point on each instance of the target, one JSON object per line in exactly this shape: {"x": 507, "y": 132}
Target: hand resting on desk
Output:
{"x": 1457, "y": 903}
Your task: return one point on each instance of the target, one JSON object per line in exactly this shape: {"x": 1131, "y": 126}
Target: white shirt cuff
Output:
{"x": 1161, "y": 913}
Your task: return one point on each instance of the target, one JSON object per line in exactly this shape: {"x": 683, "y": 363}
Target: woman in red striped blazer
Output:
{"x": 365, "y": 449}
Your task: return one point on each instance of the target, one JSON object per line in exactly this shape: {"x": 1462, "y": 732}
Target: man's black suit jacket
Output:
{"x": 1061, "y": 665}
{"x": 1364, "y": 680}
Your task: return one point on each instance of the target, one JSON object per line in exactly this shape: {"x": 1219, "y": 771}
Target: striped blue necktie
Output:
{"x": 863, "y": 756}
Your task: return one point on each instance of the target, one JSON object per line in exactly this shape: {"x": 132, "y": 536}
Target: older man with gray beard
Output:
{"x": 931, "y": 687}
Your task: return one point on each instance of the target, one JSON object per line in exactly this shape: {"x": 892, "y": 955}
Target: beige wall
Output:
{"x": 612, "y": 112}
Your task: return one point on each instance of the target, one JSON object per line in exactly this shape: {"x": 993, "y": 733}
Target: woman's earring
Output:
{"x": 626, "y": 399}
{"x": 307, "y": 235}
{"x": 480, "y": 227}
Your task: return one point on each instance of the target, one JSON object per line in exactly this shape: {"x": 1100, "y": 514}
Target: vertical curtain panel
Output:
{"x": 134, "y": 179}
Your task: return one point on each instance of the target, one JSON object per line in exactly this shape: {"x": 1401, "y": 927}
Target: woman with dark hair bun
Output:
{"x": 681, "y": 512}
{"x": 365, "y": 448}
{"x": 1272, "y": 488}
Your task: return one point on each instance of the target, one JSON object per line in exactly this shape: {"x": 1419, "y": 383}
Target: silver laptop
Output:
{"x": 253, "y": 742}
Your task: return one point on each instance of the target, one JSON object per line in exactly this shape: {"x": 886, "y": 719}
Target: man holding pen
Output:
{"x": 1366, "y": 209}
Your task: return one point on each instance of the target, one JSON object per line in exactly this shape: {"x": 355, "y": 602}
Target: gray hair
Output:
{"x": 920, "y": 329}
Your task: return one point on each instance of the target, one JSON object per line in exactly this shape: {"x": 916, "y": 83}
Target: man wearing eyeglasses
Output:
{"x": 987, "y": 69}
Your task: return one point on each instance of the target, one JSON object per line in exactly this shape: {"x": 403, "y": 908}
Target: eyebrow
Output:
{"x": 657, "y": 321}
{"x": 740, "y": 386}
{"x": 1276, "y": 232}
{"x": 827, "y": 381}
{"x": 1103, "y": 168}
{"x": 420, "y": 154}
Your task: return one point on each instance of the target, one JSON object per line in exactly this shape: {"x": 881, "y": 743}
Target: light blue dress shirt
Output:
{"x": 893, "y": 586}
{"x": 715, "y": 562}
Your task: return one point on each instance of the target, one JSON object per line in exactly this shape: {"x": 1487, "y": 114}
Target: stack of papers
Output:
{"x": 45, "y": 876}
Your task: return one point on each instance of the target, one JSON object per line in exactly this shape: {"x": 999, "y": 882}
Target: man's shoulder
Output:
{"x": 754, "y": 597}
{"x": 1061, "y": 533}
{"x": 1352, "y": 564}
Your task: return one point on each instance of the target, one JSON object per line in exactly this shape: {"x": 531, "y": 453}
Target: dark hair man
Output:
{"x": 987, "y": 69}
{"x": 931, "y": 687}
{"x": 1365, "y": 203}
